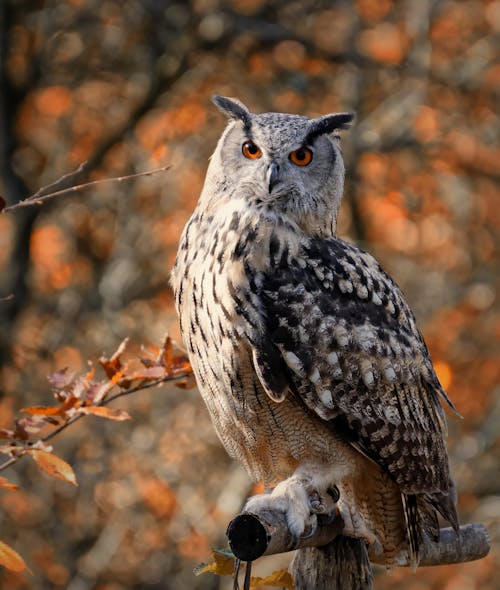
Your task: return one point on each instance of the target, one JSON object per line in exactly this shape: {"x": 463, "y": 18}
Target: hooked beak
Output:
{"x": 273, "y": 175}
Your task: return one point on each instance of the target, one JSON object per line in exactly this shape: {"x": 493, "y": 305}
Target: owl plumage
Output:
{"x": 305, "y": 351}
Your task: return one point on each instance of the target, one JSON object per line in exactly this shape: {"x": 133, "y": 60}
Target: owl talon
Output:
{"x": 327, "y": 519}
{"x": 300, "y": 499}
{"x": 312, "y": 532}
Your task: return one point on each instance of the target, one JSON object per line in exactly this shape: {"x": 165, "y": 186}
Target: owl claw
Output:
{"x": 312, "y": 531}
{"x": 303, "y": 504}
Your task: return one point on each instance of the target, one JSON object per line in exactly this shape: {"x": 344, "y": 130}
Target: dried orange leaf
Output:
{"x": 11, "y": 559}
{"x": 278, "y": 579}
{"x": 6, "y": 485}
{"x": 222, "y": 564}
{"x": 166, "y": 352}
{"x": 113, "y": 364}
{"x": 104, "y": 412}
{"x": 53, "y": 465}
{"x": 181, "y": 360}
{"x": 183, "y": 368}
{"x": 43, "y": 410}
{"x": 118, "y": 377}
{"x": 70, "y": 402}
{"x": 90, "y": 375}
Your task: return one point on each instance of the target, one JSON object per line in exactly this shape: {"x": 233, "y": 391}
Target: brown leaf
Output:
{"x": 180, "y": 360}
{"x": 151, "y": 373}
{"x": 113, "y": 365}
{"x": 5, "y": 483}
{"x": 90, "y": 375}
{"x": 278, "y": 579}
{"x": 222, "y": 564}
{"x": 51, "y": 420}
{"x": 11, "y": 559}
{"x": 61, "y": 379}
{"x": 166, "y": 352}
{"x": 147, "y": 362}
{"x": 53, "y": 465}
{"x": 19, "y": 431}
{"x": 29, "y": 425}
{"x": 70, "y": 402}
{"x": 186, "y": 383}
{"x": 43, "y": 410}
{"x": 104, "y": 412}
{"x": 122, "y": 381}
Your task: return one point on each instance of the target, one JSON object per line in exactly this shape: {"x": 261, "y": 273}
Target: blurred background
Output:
{"x": 125, "y": 86}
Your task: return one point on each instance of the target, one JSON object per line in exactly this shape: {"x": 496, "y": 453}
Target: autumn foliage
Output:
{"x": 83, "y": 396}
{"x": 92, "y": 91}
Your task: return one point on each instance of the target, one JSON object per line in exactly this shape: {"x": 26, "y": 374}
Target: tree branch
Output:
{"x": 39, "y": 198}
{"x": 104, "y": 402}
{"x": 252, "y": 535}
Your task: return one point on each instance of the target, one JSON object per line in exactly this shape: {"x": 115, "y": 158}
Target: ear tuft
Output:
{"x": 329, "y": 123}
{"x": 232, "y": 108}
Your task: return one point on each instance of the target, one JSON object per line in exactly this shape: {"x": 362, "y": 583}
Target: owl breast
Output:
{"x": 221, "y": 261}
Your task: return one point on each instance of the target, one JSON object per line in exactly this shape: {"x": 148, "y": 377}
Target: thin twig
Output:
{"x": 40, "y": 192}
{"x": 104, "y": 402}
{"x": 36, "y": 199}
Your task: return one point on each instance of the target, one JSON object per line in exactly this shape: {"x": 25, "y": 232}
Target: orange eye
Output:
{"x": 251, "y": 151}
{"x": 301, "y": 157}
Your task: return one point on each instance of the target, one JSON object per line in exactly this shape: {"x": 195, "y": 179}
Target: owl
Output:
{"x": 305, "y": 351}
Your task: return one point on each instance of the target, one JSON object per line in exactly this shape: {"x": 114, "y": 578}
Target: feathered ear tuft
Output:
{"x": 232, "y": 108}
{"x": 329, "y": 123}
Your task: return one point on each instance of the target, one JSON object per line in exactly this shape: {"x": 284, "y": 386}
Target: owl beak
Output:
{"x": 273, "y": 175}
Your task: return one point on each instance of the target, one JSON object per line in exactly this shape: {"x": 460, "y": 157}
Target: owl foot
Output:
{"x": 304, "y": 505}
{"x": 355, "y": 526}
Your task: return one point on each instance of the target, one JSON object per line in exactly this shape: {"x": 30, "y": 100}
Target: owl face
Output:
{"x": 287, "y": 165}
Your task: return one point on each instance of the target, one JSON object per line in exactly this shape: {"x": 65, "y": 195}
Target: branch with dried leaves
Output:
{"x": 79, "y": 396}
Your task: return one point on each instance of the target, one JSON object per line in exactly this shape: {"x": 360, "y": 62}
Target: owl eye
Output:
{"x": 251, "y": 151}
{"x": 301, "y": 157}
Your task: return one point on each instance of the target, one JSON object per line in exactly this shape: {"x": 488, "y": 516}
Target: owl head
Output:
{"x": 286, "y": 166}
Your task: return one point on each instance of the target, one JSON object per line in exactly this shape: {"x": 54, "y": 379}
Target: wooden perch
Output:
{"x": 253, "y": 535}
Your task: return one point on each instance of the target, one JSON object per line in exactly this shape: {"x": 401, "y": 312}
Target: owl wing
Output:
{"x": 339, "y": 334}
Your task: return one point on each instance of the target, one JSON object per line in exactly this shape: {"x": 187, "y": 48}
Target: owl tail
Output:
{"x": 421, "y": 517}
{"x": 413, "y": 528}
{"x": 445, "y": 504}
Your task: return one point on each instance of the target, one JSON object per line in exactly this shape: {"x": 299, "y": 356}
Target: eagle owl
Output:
{"x": 305, "y": 351}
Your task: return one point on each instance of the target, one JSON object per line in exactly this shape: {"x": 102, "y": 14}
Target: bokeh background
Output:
{"x": 125, "y": 85}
